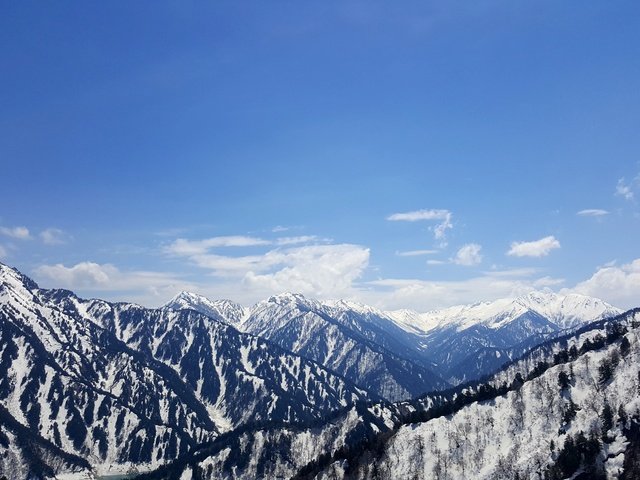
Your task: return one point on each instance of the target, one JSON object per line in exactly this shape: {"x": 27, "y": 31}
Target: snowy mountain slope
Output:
{"x": 451, "y": 348}
{"x": 458, "y": 344}
{"x": 470, "y": 341}
{"x": 117, "y": 384}
{"x": 498, "y": 429}
{"x": 22, "y": 451}
{"x": 223, "y": 310}
{"x": 280, "y": 451}
{"x": 238, "y": 376}
{"x": 79, "y": 387}
{"x": 577, "y": 411}
{"x": 564, "y": 311}
{"x": 344, "y": 342}
{"x": 329, "y": 337}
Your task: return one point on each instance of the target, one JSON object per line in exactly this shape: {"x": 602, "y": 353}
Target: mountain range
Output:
{"x": 570, "y": 408}
{"x": 95, "y": 386}
{"x": 440, "y": 347}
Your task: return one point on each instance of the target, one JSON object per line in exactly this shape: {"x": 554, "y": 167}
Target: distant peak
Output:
{"x": 188, "y": 295}
{"x": 13, "y": 275}
{"x": 290, "y": 298}
{"x": 186, "y": 299}
{"x": 353, "y": 306}
{"x": 287, "y": 297}
{"x": 190, "y": 298}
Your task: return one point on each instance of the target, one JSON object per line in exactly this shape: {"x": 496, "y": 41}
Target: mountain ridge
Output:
{"x": 564, "y": 308}
{"x": 123, "y": 386}
{"x": 442, "y": 341}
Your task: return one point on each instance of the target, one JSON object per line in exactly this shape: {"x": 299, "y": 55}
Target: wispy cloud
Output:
{"x": 416, "y": 253}
{"x": 436, "y": 262}
{"x": 295, "y": 240}
{"x": 536, "y": 248}
{"x": 183, "y": 246}
{"x": 439, "y": 231}
{"x": 54, "y": 236}
{"x": 20, "y": 233}
{"x": 593, "y": 212}
{"x": 419, "y": 215}
{"x": 624, "y": 189}
{"x": 512, "y": 272}
{"x": 468, "y": 255}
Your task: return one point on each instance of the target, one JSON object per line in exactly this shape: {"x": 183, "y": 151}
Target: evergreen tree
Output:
{"x": 569, "y": 458}
{"x": 622, "y": 416}
{"x": 563, "y": 380}
{"x": 570, "y": 411}
{"x": 625, "y": 347}
{"x": 605, "y": 371}
{"x": 518, "y": 381}
{"x": 607, "y": 421}
{"x": 573, "y": 352}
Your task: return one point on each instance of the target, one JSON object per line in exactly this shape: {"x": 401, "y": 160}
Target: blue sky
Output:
{"x": 406, "y": 155}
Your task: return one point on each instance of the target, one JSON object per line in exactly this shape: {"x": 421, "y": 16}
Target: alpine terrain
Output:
{"x": 294, "y": 387}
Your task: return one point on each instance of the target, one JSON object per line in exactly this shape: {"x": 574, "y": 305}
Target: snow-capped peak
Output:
{"x": 350, "y": 305}
{"x": 288, "y": 300}
{"x": 226, "y": 310}
{"x": 565, "y": 311}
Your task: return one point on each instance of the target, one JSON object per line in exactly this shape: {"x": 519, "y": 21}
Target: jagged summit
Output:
{"x": 566, "y": 311}
{"x": 15, "y": 277}
{"x": 225, "y": 310}
{"x": 290, "y": 299}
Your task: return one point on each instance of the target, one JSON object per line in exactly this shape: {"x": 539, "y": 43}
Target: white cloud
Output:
{"x": 418, "y": 215}
{"x": 512, "y": 272}
{"x": 593, "y": 212}
{"x": 536, "y": 248}
{"x": 280, "y": 228}
{"x": 317, "y": 270}
{"x": 468, "y": 255}
{"x": 3, "y": 252}
{"x": 439, "y": 231}
{"x": 146, "y": 287}
{"x": 54, "y": 236}
{"x": 436, "y": 262}
{"x": 416, "y": 253}
{"x": 81, "y": 275}
{"x": 295, "y": 240}
{"x": 20, "y": 233}
{"x": 618, "y": 285}
{"x": 425, "y": 295}
{"x": 182, "y": 246}
{"x": 624, "y": 189}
